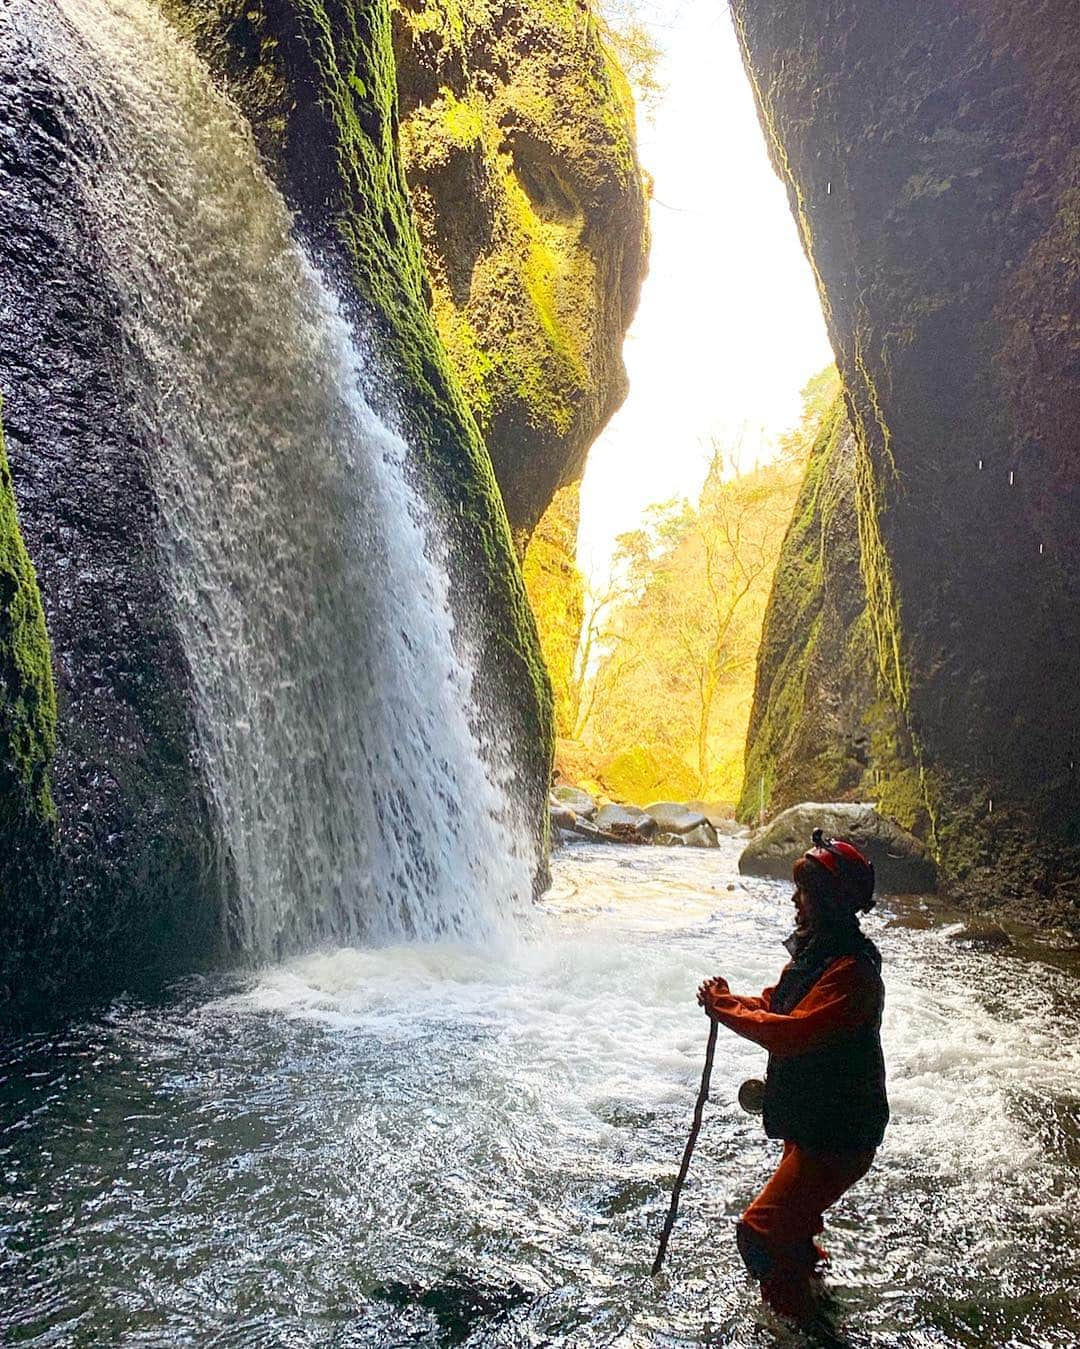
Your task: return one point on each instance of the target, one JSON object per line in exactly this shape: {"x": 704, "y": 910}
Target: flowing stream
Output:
{"x": 444, "y": 1145}
{"x": 333, "y": 710}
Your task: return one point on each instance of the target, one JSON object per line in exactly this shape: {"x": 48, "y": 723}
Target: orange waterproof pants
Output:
{"x": 776, "y": 1233}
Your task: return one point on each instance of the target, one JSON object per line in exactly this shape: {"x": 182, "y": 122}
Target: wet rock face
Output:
{"x": 133, "y": 892}
{"x": 930, "y": 155}
{"x": 317, "y": 81}
{"x": 517, "y": 140}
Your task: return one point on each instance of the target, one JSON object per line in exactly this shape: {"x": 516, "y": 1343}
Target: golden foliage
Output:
{"x": 671, "y": 660}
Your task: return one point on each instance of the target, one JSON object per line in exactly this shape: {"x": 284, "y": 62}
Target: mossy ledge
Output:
{"x": 317, "y": 80}
{"x": 929, "y": 157}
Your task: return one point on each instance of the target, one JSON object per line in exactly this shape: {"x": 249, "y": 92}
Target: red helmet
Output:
{"x": 853, "y": 870}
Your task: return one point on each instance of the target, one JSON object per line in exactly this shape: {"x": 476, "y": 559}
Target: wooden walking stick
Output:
{"x": 695, "y": 1129}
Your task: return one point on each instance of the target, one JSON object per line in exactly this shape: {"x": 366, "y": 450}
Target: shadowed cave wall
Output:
{"x": 932, "y": 161}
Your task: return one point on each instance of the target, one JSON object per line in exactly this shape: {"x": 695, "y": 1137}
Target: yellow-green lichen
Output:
{"x": 518, "y": 145}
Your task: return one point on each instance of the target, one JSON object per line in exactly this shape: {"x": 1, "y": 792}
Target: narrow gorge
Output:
{"x": 431, "y": 641}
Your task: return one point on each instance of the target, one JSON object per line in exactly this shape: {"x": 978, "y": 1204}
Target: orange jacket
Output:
{"x": 846, "y": 997}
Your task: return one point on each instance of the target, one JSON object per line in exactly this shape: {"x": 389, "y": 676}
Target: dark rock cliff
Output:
{"x": 931, "y": 159}
{"x": 107, "y": 877}
{"x": 118, "y": 883}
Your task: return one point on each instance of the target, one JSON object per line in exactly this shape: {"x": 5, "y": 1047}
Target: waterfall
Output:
{"x": 333, "y": 715}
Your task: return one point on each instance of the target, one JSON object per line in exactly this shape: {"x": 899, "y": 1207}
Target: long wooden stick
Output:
{"x": 695, "y": 1129}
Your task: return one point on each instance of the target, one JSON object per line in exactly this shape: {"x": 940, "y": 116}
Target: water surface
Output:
{"x": 436, "y": 1145}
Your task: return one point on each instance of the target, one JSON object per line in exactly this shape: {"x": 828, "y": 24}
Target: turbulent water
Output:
{"x": 433, "y": 1145}
{"x": 333, "y": 709}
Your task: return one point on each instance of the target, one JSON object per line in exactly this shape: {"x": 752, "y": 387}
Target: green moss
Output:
{"x": 874, "y": 461}
{"x": 519, "y": 151}
{"x": 462, "y": 118}
{"x": 791, "y": 629}
{"x": 825, "y": 725}
{"x": 328, "y": 66}
{"x": 28, "y": 895}
{"x": 556, "y": 591}
{"x": 27, "y": 692}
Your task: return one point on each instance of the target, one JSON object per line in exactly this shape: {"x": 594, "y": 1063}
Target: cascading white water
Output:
{"x": 333, "y": 712}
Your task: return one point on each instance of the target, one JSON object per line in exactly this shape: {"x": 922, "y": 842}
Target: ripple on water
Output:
{"x": 440, "y": 1146}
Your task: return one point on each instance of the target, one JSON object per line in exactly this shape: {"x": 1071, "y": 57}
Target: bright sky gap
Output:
{"x": 729, "y": 328}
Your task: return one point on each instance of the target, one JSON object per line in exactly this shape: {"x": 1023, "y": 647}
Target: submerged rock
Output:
{"x": 900, "y": 861}
{"x": 982, "y": 936}
{"x": 617, "y": 818}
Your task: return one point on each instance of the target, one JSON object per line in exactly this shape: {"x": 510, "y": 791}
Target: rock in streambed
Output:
{"x": 900, "y": 861}
{"x": 619, "y": 818}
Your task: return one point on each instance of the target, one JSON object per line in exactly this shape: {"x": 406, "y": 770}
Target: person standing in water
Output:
{"x": 824, "y": 1093}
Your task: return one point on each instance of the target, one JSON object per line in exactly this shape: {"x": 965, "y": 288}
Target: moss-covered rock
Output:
{"x": 822, "y": 727}
{"x": 27, "y": 692}
{"x": 27, "y": 747}
{"x": 318, "y": 81}
{"x": 518, "y": 146}
{"x": 929, "y": 153}
{"x": 556, "y": 591}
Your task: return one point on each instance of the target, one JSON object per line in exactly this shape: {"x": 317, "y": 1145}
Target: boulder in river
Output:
{"x": 562, "y": 817}
{"x": 982, "y": 936}
{"x": 581, "y": 803}
{"x": 900, "y": 860}
{"x": 720, "y": 816}
{"x": 675, "y": 818}
{"x": 617, "y": 818}
{"x": 702, "y": 836}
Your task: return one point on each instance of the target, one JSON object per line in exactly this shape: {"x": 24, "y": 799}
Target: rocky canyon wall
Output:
{"x": 930, "y": 153}
{"x": 516, "y": 245}
{"x": 107, "y": 866}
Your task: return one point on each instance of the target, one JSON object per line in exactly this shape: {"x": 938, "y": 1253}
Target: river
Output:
{"x": 444, "y": 1145}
